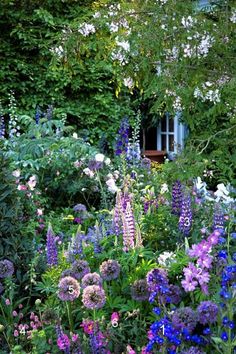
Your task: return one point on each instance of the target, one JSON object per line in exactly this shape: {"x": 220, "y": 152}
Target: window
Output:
{"x": 170, "y": 134}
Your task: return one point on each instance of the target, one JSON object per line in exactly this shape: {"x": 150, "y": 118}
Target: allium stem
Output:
{"x": 69, "y": 313}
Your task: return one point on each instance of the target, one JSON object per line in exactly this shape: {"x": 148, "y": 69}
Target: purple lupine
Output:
{"x": 122, "y": 137}
{"x": 51, "y": 247}
{"x": 97, "y": 239}
{"x": 63, "y": 341}
{"x": 177, "y": 197}
{"x": 76, "y": 247}
{"x": 185, "y": 219}
{"x": 218, "y": 220}
{"x": 128, "y": 228}
{"x": 117, "y": 215}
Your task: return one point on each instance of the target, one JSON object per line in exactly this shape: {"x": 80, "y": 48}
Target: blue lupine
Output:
{"x": 185, "y": 220}
{"x": 177, "y": 197}
{"x": 52, "y": 254}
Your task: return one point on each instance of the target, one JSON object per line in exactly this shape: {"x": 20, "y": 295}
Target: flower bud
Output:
{"x": 38, "y": 302}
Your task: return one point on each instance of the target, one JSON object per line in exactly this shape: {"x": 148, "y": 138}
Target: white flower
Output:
{"x": 86, "y": 29}
{"x": 128, "y": 82}
{"x": 75, "y": 135}
{"x": 200, "y": 185}
{"x": 99, "y": 157}
{"x": 222, "y": 193}
{"x": 166, "y": 258}
{"x": 32, "y": 182}
{"x": 107, "y": 161}
{"x": 97, "y": 14}
{"x": 124, "y": 44}
{"x": 112, "y": 187}
{"x": 16, "y": 173}
{"x": 233, "y": 16}
{"x": 164, "y": 188}
{"x": 113, "y": 27}
{"x": 88, "y": 172}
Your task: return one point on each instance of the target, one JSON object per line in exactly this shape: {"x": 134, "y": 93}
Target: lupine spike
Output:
{"x": 128, "y": 228}
{"x": 2, "y": 127}
{"x": 185, "y": 220}
{"x": 177, "y": 197}
{"x": 37, "y": 115}
{"x": 218, "y": 219}
{"x": 76, "y": 246}
{"x": 117, "y": 215}
{"x": 97, "y": 239}
{"x": 52, "y": 256}
{"x": 123, "y": 137}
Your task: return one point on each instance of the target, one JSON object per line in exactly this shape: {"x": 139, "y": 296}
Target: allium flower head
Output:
{"x": 6, "y": 268}
{"x": 207, "y": 312}
{"x": 110, "y": 269}
{"x": 93, "y": 297}
{"x": 80, "y": 208}
{"x": 69, "y": 289}
{"x": 185, "y": 318}
{"x": 91, "y": 279}
{"x": 80, "y": 268}
{"x": 139, "y": 290}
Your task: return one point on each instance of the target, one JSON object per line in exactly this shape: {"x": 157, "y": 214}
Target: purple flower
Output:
{"x": 80, "y": 268}
{"x": 156, "y": 279}
{"x": 146, "y": 163}
{"x": 63, "y": 341}
{"x": 80, "y": 208}
{"x": 69, "y": 289}
{"x": 185, "y": 219}
{"x": 185, "y": 318}
{"x": 177, "y": 197}
{"x": 51, "y": 248}
{"x": 139, "y": 290}
{"x": 128, "y": 228}
{"x": 91, "y": 279}
{"x": 109, "y": 269}
{"x": 122, "y": 139}
{"x": 76, "y": 247}
{"x": 70, "y": 273}
{"x": 207, "y": 312}
{"x": 6, "y": 268}
{"x": 93, "y": 297}
{"x": 218, "y": 219}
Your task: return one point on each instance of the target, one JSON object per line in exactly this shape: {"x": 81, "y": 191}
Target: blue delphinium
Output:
{"x": 123, "y": 137}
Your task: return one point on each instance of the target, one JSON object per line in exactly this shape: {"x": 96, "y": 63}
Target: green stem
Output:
{"x": 5, "y": 336}
{"x": 69, "y": 313}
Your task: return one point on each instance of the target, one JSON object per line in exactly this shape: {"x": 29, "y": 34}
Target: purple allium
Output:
{"x": 63, "y": 341}
{"x": 69, "y": 289}
{"x": 177, "y": 198}
{"x": 146, "y": 163}
{"x": 6, "y": 268}
{"x": 80, "y": 208}
{"x": 193, "y": 350}
{"x": 1, "y": 288}
{"x": 122, "y": 138}
{"x": 52, "y": 259}
{"x": 207, "y": 312}
{"x": 139, "y": 290}
{"x": 128, "y": 228}
{"x": 109, "y": 270}
{"x": 94, "y": 297}
{"x": 80, "y": 268}
{"x": 185, "y": 219}
{"x": 185, "y": 318}
{"x": 91, "y": 279}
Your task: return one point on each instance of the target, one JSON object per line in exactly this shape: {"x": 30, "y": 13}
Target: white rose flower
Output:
{"x": 107, "y": 161}
{"x": 99, "y": 157}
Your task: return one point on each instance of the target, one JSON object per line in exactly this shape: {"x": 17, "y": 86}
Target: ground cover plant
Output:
{"x": 119, "y": 256}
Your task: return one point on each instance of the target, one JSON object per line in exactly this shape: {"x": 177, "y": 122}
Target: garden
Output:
{"x": 103, "y": 250}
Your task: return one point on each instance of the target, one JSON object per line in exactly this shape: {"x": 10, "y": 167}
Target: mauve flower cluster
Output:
{"x": 139, "y": 290}
{"x": 23, "y": 328}
{"x": 6, "y": 268}
{"x": 109, "y": 269}
{"x": 63, "y": 341}
{"x": 207, "y": 312}
{"x": 185, "y": 318}
{"x": 93, "y": 297}
{"x": 91, "y": 279}
{"x": 199, "y": 274}
{"x": 177, "y": 198}
{"x": 185, "y": 219}
{"x": 69, "y": 289}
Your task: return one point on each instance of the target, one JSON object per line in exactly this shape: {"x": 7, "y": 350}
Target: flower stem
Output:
{"x": 69, "y": 312}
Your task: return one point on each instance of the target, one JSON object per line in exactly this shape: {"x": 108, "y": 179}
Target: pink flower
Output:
{"x": 74, "y": 337}
{"x": 213, "y": 238}
{"x": 114, "y": 319}
{"x": 39, "y": 212}
{"x": 130, "y": 350}
{"x": 22, "y": 187}
{"x": 203, "y": 278}
{"x": 32, "y": 182}
{"x": 14, "y": 314}
{"x": 7, "y": 302}
{"x": 20, "y": 306}
{"x": 87, "y": 326}
{"x": 189, "y": 284}
{"x": 16, "y": 333}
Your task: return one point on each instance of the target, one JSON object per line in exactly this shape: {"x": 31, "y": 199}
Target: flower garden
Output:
{"x": 135, "y": 259}
{"x": 103, "y": 250}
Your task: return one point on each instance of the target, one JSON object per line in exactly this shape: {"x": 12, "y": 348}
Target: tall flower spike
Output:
{"x": 218, "y": 219}
{"x": 37, "y": 115}
{"x": 185, "y": 220}
{"x": 52, "y": 259}
{"x": 2, "y": 126}
{"x": 128, "y": 228}
{"x": 122, "y": 137}
{"x": 97, "y": 239}
{"x": 177, "y": 197}
{"x": 117, "y": 215}
{"x": 76, "y": 246}
{"x": 63, "y": 341}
